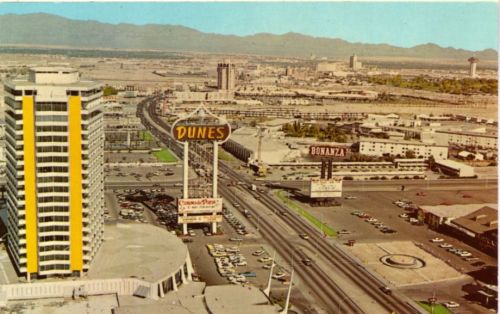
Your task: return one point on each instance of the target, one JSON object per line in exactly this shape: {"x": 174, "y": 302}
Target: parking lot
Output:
{"x": 380, "y": 206}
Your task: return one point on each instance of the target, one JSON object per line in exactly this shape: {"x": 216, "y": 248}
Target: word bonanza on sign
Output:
{"x": 328, "y": 151}
{"x": 201, "y": 132}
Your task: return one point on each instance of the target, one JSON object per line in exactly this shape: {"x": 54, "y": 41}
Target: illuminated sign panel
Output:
{"x": 326, "y": 188}
{"x": 327, "y": 151}
{"x": 199, "y": 205}
{"x": 199, "y": 219}
{"x": 218, "y": 133}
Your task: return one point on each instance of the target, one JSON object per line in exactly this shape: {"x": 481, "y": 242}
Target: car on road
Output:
{"x": 350, "y": 197}
{"x": 304, "y": 236}
{"x": 464, "y": 254}
{"x": 437, "y": 240}
{"x": 451, "y": 304}
{"x": 386, "y": 290}
{"x": 445, "y": 245}
{"x": 265, "y": 259}
{"x": 307, "y": 261}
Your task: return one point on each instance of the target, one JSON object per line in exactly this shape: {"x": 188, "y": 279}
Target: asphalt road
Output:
{"x": 326, "y": 290}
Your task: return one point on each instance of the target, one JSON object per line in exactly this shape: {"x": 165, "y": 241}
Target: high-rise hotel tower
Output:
{"x": 55, "y": 181}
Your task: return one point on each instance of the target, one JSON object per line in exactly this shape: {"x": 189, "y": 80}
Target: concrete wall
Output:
{"x": 65, "y": 289}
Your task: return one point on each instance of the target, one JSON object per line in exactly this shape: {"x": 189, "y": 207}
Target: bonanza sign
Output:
{"x": 327, "y": 151}
{"x": 199, "y": 205}
{"x": 218, "y": 133}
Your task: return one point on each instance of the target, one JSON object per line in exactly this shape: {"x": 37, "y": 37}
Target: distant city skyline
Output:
{"x": 465, "y": 25}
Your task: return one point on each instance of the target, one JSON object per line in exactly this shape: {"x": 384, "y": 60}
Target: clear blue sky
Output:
{"x": 461, "y": 25}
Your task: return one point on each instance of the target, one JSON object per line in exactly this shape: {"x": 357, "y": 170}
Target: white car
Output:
{"x": 451, "y": 304}
{"x": 437, "y": 240}
{"x": 371, "y": 220}
{"x": 464, "y": 254}
{"x": 403, "y": 215}
{"x": 445, "y": 245}
{"x": 265, "y": 259}
{"x": 350, "y": 197}
{"x": 279, "y": 275}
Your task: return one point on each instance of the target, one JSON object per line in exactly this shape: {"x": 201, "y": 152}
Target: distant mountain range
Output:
{"x": 53, "y": 30}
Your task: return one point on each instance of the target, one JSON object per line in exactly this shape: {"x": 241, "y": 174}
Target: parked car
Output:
{"x": 249, "y": 274}
{"x": 451, "y": 304}
{"x": 437, "y": 240}
{"x": 403, "y": 215}
{"x": 371, "y": 220}
{"x": 445, "y": 245}
{"x": 344, "y": 231}
{"x": 236, "y": 239}
{"x": 265, "y": 259}
{"x": 279, "y": 275}
{"x": 258, "y": 253}
{"x": 478, "y": 264}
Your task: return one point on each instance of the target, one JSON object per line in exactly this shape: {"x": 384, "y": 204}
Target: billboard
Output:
{"x": 328, "y": 151}
{"x": 201, "y": 125}
{"x": 199, "y": 219}
{"x": 218, "y": 132}
{"x": 326, "y": 188}
{"x": 199, "y": 205}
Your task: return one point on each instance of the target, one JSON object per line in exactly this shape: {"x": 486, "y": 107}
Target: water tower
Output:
{"x": 473, "y": 64}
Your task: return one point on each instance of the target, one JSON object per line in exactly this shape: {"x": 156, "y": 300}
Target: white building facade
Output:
{"x": 380, "y": 147}
{"x": 55, "y": 181}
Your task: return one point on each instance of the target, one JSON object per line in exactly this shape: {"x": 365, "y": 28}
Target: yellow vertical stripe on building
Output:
{"x": 75, "y": 183}
{"x": 30, "y": 185}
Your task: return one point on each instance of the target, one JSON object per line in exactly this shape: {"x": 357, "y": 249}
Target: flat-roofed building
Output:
{"x": 437, "y": 215}
{"x": 482, "y": 220}
{"x": 226, "y": 76}
{"x": 453, "y": 168}
{"x": 55, "y": 181}
{"x": 380, "y": 147}
{"x": 486, "y": 140}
